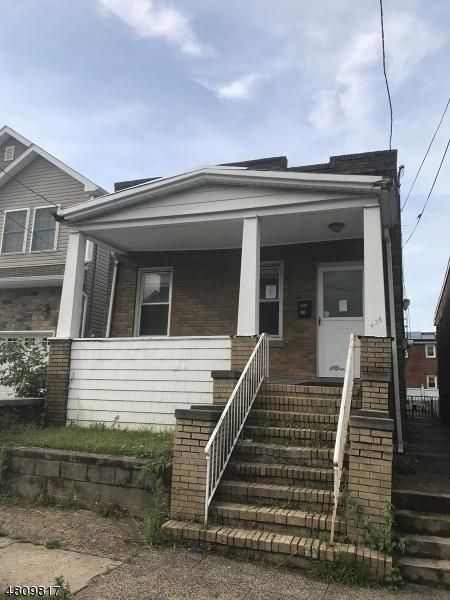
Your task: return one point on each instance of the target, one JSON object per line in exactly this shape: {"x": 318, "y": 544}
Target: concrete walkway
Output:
{"x": 108, "y": 557}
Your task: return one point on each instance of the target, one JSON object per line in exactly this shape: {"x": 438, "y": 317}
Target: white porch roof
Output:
{"x": 204, "y": 208}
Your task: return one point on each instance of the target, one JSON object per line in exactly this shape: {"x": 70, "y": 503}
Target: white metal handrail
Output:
{"x": 226, "y": 433}
{"x": 344, "y": 416}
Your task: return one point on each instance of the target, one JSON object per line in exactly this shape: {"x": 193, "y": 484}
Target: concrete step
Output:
{"x": 281, "y": 496}
{"x": 279, "y": 473}
{"x": 289, "y": 455}
{"x": 421, "y": 501}
{"x": 279, "y": 548}
{"x": 280, "y": 520}
{"x": 425, "y": 570}
{"x": 315, "y": 404}
{"x": 291, "y": 436}
{"x": 428, "y": 546}
{"x": 284, "y": 418}
{"x": 423, "y": 523}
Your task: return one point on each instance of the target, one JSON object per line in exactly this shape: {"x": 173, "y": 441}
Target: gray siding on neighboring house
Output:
{"x": 18, "y": 149}
{"x": 55, "y": 185}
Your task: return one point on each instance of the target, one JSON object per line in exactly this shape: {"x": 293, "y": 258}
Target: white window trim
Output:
{"x": 89, "y": 255}
{"x": 55, "y": 239}
{"x": 435, "y": 382}
{"x": 25, "y": 231}
{"x": 139, "y": 291}
{"x": 280, "y": 265}
{"x": 8, "y": 148}
{"x": 434, "y": 350}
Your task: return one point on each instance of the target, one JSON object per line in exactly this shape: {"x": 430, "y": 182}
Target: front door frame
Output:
{"x": 335, "y": 266}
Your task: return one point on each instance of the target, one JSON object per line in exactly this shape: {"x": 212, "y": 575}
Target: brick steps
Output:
{"x": 283, "y": 418}
{"x": 315, "y": 404}
{"x": 288, "y": 455}
{"x": 279, "y": 473}
{"x": 276, "y": 547}
{"x": 291, "y": 436}
{"x": 300, "y": 390}
{"x": 280, "y": 520}
{"x": 282, "y": 496}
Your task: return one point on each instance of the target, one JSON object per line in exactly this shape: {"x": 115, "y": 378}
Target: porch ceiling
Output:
{"x": 227, "y": 233}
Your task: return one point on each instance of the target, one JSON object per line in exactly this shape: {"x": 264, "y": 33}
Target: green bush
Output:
{"x": 24, "y": 368}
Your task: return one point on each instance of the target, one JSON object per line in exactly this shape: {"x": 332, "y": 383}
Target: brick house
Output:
{"x": 442, "y": 323}
{"x": 33, "y": 244}
{"x": 307, "y": 254}
{"x": 421, "y": 369}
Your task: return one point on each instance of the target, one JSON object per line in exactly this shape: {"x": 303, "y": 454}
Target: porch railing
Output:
{"x": 344, "y": 417}
{"x": 226, "y": 433}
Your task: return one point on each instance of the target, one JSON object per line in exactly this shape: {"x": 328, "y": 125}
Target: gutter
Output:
{"x": 112, "y": 296}
{"x": 398, "y": 412}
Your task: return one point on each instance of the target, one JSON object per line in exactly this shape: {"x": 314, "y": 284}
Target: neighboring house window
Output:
{"x": 432, "y": 382}
{"x": 430, "y": 350}
{"x": 270, "y": 299}
{"x": 154, "y": 302}
{"x": 9, "y": 153}
{"x": 44, "y": 229}
{"x": 14, "y": 229}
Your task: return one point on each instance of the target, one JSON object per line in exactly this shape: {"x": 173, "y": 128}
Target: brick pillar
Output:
{"x": 224, "y": 383}
{"x": 58, "y": 380}
{"x": 193, "y": 430}
{"x": 376, "y": 370}
{"x": 241, "y": 349}
{"x": 370, "y": 468}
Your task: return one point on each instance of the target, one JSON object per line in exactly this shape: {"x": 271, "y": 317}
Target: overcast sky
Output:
{"x": 123, "y": 89}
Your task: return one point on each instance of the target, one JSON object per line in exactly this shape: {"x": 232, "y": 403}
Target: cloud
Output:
{"x": 152, "y": 21}
{"x": 239, "y": 89}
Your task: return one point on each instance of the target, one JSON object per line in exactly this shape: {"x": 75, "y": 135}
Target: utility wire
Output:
{"x": 420, "y": 215}
{"x": 385, "y": 74}
{"x": 426, "y": 153}
{"x": 28, "y": 188}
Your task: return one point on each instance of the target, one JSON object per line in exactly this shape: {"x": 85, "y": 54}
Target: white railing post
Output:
{"x": 223, "y": 439}
{"x": 341, "y": 434}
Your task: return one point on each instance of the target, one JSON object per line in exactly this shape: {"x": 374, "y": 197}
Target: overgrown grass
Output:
{"x": 345, "y": 572}
{"x": 98, "y": 439}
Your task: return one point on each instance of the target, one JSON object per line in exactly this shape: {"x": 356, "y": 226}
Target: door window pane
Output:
{"x": 14, "y": 231}
{"x": 44, "y": 229}
{"x": 342, "y": 293}
{"x": 269, "y": 316}
{"x": 268, "y": 283}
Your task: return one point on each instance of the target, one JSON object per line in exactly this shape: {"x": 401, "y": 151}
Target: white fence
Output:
{"x": 139, "y": 382}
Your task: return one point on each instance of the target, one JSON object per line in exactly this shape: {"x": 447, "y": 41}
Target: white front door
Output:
{"x": 340, "y": 313}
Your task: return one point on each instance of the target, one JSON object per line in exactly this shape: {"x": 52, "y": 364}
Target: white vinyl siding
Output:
{"x": 58, "y": 187}
{"x": 14, "y": 237}
{"x": 45, "y": 229}
{"x": 139, "y": 382}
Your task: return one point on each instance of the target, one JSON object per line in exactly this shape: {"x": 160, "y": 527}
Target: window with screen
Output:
{"x": 270, "y": 299}
{"x": 154, "y": 308}
{"x": 14, "y": 231}
{"x": 44, "y": 229}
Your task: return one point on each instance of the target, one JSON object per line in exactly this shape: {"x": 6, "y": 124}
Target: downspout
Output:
{"x": 112, "y": 296}
{"x": 398, "y": 412}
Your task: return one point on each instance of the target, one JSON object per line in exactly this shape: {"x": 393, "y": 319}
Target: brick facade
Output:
{"x": 205, "y": 295}
{"x": 418, "y": 366}
{"x": 34, "y": 308}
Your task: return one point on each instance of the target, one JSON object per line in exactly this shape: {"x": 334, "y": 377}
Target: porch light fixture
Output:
{"x": 336, "y": 227}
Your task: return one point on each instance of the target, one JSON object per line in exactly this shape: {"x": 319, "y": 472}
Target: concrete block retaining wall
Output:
{"x": 84, "y": 479}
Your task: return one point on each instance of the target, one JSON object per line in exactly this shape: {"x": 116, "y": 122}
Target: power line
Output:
{"x": 385, "y": 74}
{"x": 426, "y": 153}
{"x": 28, "y": 188}
{"x": 420, "y": 215}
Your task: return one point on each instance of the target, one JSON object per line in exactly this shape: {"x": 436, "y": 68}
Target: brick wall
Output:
{"x": 29, "y": 308}
{"x": 58, "y": 380}
{"x": 206, "y": 291}
{"x": 418, "y": 366}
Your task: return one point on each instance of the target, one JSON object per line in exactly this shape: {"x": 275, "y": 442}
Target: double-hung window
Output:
{"x": 44, "y": 229}
{"x": 430, "y": 350}
{"x": 14, "y": 231}
{"x": 153, "y": 310}
{"x": 431, "y": 382}
{"x": 270, "y": 299}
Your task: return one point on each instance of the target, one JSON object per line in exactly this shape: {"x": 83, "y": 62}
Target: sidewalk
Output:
{"x": 161, "y": 574}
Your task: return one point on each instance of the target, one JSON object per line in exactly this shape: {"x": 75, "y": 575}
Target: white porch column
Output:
{"x": 69, "y": 320}
{"x": 248, "y": 315}
{"x": 374, "y": 294}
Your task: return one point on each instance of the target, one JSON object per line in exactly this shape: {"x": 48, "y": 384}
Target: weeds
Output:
{"x": 53, "y": 544}
{"x": 64, "y": 588}
{"x": 156, "y": 516}
{"x": 2, "y": 529}
{"x": 110, "y": 511}
{"x": 342, "y": 571}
